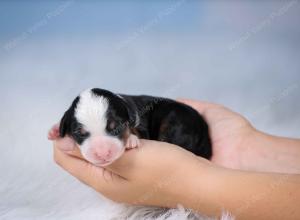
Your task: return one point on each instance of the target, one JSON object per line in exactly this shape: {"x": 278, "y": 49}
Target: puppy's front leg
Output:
{"x": 132, "y": 141}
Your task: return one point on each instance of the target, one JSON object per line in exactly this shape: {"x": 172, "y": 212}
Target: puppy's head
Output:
{"x": 98, "y": 121}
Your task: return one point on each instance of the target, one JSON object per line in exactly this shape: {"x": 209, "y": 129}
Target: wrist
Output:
{"x": 267, "y": 153}
{"x": 196, "y": 190}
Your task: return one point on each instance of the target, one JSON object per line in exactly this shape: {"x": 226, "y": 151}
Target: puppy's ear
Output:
{"x": 67, "y": 119}
{"x": 132, "y": 117}
{"x": 132, "y": 113}
{"x": 65, "y": 123}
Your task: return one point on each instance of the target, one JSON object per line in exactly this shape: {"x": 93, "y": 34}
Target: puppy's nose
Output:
{"x": 103, "y": 149}
{"x": 102, "y": 153}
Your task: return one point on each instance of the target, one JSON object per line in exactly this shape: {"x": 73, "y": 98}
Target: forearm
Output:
{"x": 246, "y": 195}
{"x": 269, "y": 153}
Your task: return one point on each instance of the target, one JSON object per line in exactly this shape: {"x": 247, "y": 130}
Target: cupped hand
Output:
{"x": 162, "y": 174}
{"x": 156, "y": 173}
{"x": 229, "y": 131}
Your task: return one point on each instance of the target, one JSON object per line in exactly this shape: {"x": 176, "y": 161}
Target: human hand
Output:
{"x": 161, "y": 174}
{"x": 229, "y": 131}
{"x": 230, "y": 134}
{"x": 156, "y": 173}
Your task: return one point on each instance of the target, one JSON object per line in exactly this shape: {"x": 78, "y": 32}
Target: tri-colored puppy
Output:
{"x": 104, "y": 124}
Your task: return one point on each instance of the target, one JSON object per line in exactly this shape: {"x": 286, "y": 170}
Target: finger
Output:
{"x": 64, "y": 145}
{"x": 200, "y": 106}
{"x": 51, "y": 136}
{"x": 125, "y": 164}
{"x": 130, "y": 162}
{"x": 53, "y": 132}
{"x": 96, "y": 177}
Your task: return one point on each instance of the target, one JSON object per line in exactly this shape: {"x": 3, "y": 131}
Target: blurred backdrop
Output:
{"x": 243, "y": 54}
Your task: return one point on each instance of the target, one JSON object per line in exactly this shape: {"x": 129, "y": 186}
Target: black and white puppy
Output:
{"x": 104, "y": 124}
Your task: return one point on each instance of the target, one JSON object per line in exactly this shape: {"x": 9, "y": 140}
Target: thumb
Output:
{"x": 127, "y": 163}
{"x": 133, "y": 160}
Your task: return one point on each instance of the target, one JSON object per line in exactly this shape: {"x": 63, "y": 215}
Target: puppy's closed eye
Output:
{"x": 111, "y": 125}
{"x": 83, "y": 132}
{"x": 114, "y": 127}
{"x": 80, "y": 132}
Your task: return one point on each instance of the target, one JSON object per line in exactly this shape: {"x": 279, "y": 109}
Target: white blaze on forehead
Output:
{"x": 91, "y": 112}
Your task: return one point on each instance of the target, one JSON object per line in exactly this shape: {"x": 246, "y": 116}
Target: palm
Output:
{"x": 228, "y": 131}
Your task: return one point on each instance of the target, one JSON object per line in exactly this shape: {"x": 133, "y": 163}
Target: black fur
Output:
{"x": 68, "y": 119}
{"x": 173, "y": 122}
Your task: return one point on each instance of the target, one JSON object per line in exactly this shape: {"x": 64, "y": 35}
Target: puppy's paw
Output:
{"x": 132, "y": 142}
{"x": 53, "y": 133}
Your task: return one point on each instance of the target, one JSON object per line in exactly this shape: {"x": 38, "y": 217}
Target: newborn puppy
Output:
{"x": 104, "y": 124}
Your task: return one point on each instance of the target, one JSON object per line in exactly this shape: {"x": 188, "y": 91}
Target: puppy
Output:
{"x": 104, "y": 124}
